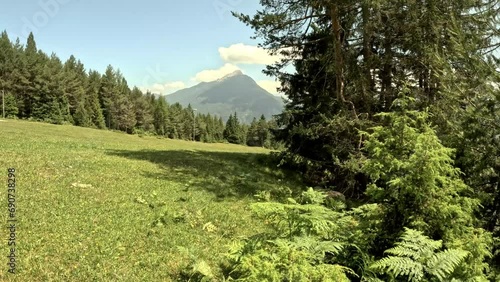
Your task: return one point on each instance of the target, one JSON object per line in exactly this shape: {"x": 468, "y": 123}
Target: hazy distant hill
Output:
{"x": 234, "y": 92}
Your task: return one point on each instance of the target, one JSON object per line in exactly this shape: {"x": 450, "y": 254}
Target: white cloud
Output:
{"x": 269, "y": 85}
{"x": 211, "y": 75}
{"x": 165, "y": 88}
{"x": 247, "y": 54}
{"x": 175, "y": 85}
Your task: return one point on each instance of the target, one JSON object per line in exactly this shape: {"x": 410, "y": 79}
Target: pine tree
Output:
{"x": 93, "y": 105}
{"x": 81, "y": 117}
{"x": 122, "y": 110}
{"x": 107, "y": 93}
{"x": 11, "y": 109}
{"x": 253, "y": 133}
{"x": 160, "y": 116}
{"x": 50, "y": 102}
{"x": 75, "y": 80}
{"x": 188, "y": 124}
{"x": 143, "y": 110}
{"x": 233, "y": 132}
{"x": 6, "y": 69}
{"x": 175, "y": 121}
{"x": 263, "y": 132}
{"x": 20, "y": 78}
{"x": 242, "y": 133}
{"x": 219, "y": 129}
{"x": 209, "y": 130}
{"x": 352, "y": 59}
{"x": 30, "y": 80}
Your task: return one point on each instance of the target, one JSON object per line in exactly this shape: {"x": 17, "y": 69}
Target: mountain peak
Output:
{"x": 234, "y": 73}
{"x": 235, "y": 92}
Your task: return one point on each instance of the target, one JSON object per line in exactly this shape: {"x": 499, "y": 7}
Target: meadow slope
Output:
{"x": 95, "y": 205}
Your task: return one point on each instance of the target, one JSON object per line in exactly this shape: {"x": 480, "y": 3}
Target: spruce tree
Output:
{"x": 160, "y": 116}
{"x": 122, "y": 110}
{"x": 107, "y": 93}
{"x": 253, "y": 133}
{"x": 93, "y": 105}
{"x": 233, "y": 131}
{"x": 175, "y": 121}
{"x": 6, "y": 69}
{"x": 74, "y": 84}
{"x": 49, "y": 104}
{"x": 352, "y": 59}
{"x": 19, "y": 77}
{"x": 263, "y": 132}
{"x": 11, "y": 109}
{"x": 143, "y": 110}
{"x": 30, "y": 79}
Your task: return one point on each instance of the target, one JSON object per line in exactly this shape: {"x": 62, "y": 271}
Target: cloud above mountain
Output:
{"x": 247, "y": 54}
{"x": 168, "y": 87}
{"x": 214, "y": 74}
{"x": 235, "y": 58}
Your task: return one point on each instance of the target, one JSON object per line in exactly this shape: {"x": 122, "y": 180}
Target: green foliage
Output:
{"x": 352, "y": 59}
{"x": 252, "y": 134}
{"x": 289, "y": 220}
{"x": 125, "y": 116}
{"x": 92, "y": 102}
{"x": 413, "y": 172}
{"x": 418, "y": 258}
{"x": 198, "y": 270}
{"x": 81, "y": 116}
{"x": 478, "y": 153}
{"x": 413, "y": 178}
{"x": 283, "y": 260}
{"x": 233, "y": 132}
{"x": 296, "y": 249}
{"x": 413, "y": 184}
{"x": 11, "y": 109}
{"x": 308, "y": 242}
{"x": 313, "y": 197}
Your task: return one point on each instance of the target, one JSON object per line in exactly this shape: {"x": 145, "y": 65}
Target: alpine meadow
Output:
{"x": 338, "y": 141}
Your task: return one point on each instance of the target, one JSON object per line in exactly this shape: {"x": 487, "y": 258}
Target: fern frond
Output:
{"x": 444, "y": 263}
{"x": 414, "y": 245}
{"x": 312, "y": 245}
{"x": 400, "y": 266}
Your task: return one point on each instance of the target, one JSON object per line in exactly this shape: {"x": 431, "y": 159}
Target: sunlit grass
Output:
{"x": 103, "y": 206}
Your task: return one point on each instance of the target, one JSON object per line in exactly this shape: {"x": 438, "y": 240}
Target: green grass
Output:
{"x": 103, "y": 206}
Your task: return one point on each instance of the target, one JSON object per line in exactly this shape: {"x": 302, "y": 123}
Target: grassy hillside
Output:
{"x": 102, "y": 206}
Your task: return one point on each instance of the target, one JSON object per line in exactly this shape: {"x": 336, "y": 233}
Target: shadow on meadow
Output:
{"x": 225, "y": 174}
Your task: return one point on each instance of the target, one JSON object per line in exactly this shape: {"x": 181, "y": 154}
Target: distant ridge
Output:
{"x": 235, "y": 92}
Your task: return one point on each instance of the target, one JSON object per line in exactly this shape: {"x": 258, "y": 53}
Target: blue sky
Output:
{"x": 158, "y": 45}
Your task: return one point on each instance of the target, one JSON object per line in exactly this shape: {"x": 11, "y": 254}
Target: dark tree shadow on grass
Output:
{"x": 224, "y": 174}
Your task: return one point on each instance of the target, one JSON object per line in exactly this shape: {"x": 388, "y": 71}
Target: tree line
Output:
{"x": 36, "y": 86}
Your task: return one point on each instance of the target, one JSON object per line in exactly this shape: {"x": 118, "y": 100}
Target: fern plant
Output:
{"x": 299, "y": 259}
{"x": 414, "y": 179}
{"x": 418, "y": 258}
{"x": 305, "y": 236}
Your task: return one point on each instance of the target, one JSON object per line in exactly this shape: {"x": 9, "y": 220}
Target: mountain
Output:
{"x": 235, "y": 92}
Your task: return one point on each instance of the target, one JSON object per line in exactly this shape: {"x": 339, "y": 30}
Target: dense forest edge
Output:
{"x": 394, "y": 118}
